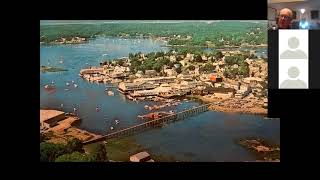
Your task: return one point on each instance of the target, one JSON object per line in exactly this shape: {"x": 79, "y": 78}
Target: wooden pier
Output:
{"x": 153, "y": 123}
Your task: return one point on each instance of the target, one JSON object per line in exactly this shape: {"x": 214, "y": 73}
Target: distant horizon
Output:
{"x": 57, "y": 22}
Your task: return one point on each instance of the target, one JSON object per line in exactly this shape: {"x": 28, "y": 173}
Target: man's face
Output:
{"x": 284, "y": 19}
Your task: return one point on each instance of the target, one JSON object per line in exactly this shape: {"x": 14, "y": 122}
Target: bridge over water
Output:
{"x": 153, "y": 123}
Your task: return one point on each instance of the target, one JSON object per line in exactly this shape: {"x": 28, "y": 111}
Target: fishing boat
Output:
{"x": 61, "y": 60}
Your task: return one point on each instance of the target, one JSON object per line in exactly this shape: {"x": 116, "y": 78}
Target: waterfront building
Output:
{"x": 49, "y": 118}
{"x": 125, "y": 87}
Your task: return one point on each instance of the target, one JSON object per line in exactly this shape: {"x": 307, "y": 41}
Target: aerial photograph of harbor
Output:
{"x": 155, "y": 91}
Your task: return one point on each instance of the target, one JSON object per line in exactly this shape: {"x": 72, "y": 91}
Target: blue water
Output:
{"x": 206, "y": 137}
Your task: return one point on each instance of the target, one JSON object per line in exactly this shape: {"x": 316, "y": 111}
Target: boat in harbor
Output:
{"x": 49, "y": 87}
{"x": 155, "y": 115}
{"x": 110, "y": 93}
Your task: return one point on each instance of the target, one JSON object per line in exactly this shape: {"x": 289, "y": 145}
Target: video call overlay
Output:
{"x": 293, "y": 44}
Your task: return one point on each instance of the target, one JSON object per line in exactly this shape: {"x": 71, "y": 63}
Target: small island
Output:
{"x": 264, "y": 150}
{"x": 63, "y": 40}
{"x": 51, "y": 69}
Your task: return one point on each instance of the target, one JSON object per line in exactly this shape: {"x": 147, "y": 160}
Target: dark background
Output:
{"x": 295, "y": 108}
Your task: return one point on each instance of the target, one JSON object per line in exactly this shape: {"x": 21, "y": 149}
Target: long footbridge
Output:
{"x": 150, "y": 124}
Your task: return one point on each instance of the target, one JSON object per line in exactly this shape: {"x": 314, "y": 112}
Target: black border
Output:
{"x": 184, "y": 10}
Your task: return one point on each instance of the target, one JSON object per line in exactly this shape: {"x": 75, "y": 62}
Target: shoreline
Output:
{"x": 67, "y": 129}
{"x": 219, "y": 108}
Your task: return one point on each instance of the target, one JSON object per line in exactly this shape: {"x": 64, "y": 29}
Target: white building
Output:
{"x": 170, "y": 72}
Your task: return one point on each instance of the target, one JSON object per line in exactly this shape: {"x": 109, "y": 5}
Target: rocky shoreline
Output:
{"x": 51, "y": 69}
{"x": 262, "y": 149}
{"x": 244, "y": 106}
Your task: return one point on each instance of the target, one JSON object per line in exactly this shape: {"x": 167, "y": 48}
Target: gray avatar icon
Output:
{"x": 293, "y": 72}
{"x": 293, "y": 44}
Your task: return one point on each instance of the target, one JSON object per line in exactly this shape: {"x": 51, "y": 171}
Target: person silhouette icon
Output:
{"x": 293, "y": 83}
{"x": 293, "y": 44}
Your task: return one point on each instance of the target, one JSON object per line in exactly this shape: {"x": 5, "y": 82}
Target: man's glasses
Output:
{"x": 285, "y": 17}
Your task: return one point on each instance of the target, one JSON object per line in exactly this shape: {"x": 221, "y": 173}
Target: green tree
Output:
{"x": 159, "y": 54}
{"x": 49, "y": 151}
{"x": 218, "y": 54}
{"x": 42, "y": 137}
{"x": 74, "y": 145}
{"x": 198, "y": 58}
{"x": 243, "y": 70}
{"x": 73, "y": 157}
{"x": 131, "y": 56}
{"x": 179, "y": 58}
{"x": 99, "y": 153}
{"x": 191, "y": 67}
{"x": 208, "y": 67}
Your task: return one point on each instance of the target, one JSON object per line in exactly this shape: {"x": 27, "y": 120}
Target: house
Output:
{"x": 215, "y": 78}
{"x": 185, "y": 77}
{"x": 184, "y": 62}
{"x": 141, "y": 157}
{"x": 217, "y": 85}
{"x": 235, "y": 86}
{"x": 252, "y": 80}
{"x": 265, "y": 102}
{"x": 223, "y": 95}
{"x": 140, "y": 93}
{"x": 235, "y": 66}
{"x": 170, "y": 72}
{"x": 139, "y": 74}
{"x": 150, "y": 73}
{"x": 204, "y": 58}
{"x": 240, "y": 94}
{"x": 212, "y": 90}
{"x": 125, "y": 87}
{"x": 49, "y": 118}
{"x": 163, "y": 88}
{"x": 245, "y": 87}
{"x": 156, "y": 80}
{"x": 118, "y": 74}
{"x": 173, "y": 59}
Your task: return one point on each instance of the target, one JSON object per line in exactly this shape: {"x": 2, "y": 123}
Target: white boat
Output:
{"x": 117, "y": 121}
{"x": 75, "y": 85}
{"x": 111, "y": 128}
{"x": 67, "y": 84}
{"x": 110, "y": 93}
{"x": 72, "y": 81}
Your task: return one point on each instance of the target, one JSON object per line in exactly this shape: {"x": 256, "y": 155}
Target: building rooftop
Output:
{"x": 140, "y": 156}
{"x": 48, "y": 114}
